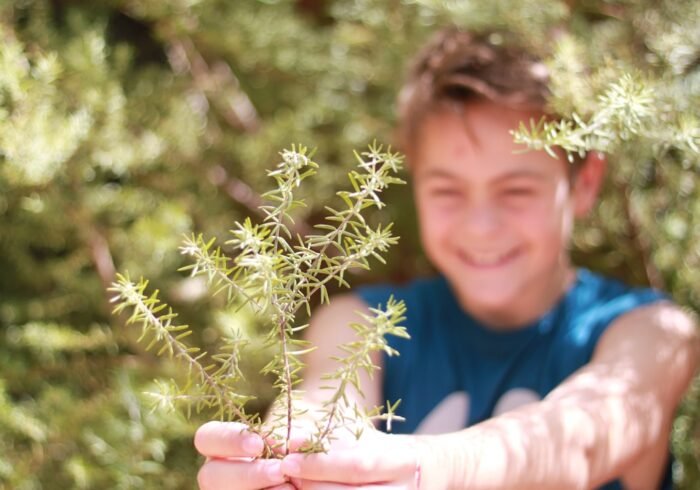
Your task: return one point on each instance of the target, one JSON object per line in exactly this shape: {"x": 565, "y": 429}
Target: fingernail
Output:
{"x": 252, "y": 445}
{"x": 291, "y": 466}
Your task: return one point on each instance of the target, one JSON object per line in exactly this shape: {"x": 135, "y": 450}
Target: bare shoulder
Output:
{"x": 664, "y": 329}
{"x": 663, "y": 318}
{"x": 659, "y": 343}
{"x": 640, "y": 368}
{"x": 328, "y": 330}
{"x": 652, "y": 350}
{"x": 329, "y": 326}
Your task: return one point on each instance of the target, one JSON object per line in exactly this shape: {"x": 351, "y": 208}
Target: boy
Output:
{"x": 522, "y": 371}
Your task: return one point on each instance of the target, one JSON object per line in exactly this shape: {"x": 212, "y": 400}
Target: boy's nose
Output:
{"x": 480, "y": 220}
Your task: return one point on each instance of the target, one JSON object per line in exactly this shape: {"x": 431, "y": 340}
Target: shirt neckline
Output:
{"x": 503, "y": 341}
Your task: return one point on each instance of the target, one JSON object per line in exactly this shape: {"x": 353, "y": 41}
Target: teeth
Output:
{"x": 487, "y": 259}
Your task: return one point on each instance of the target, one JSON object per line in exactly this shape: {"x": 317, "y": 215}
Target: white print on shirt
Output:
{"x": 517, "y": 397}
{"x": 452, "y": 413}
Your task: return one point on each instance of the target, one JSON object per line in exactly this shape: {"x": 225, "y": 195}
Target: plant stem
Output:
{"x": 287, "y": 381}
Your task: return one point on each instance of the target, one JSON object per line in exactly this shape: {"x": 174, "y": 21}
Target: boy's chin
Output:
{"x": 486, "y": 300}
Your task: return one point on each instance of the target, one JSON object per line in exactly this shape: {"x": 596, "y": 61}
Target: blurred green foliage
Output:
{"x": 126, "y": 124}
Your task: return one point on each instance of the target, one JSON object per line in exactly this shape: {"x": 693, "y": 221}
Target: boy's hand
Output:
{"x": 376, "y": 462}
{"x": 230, "y": 449}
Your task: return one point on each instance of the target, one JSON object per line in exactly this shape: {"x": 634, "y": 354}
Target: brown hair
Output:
{"x": 456, "y": 66}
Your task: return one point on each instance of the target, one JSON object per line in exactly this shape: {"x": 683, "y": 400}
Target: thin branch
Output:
{"x": 98, "y": 247}
{"x": 101, "y": 256}
{"x": 217, "y": 82}
{"x": 236, "y": 189}
{"x": 642, "y": 245}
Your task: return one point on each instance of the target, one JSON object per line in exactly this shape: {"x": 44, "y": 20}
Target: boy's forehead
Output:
{"x": 448, "y": 173}
{"x": 476, "y": 133}
{"x": 472, "y": 128}
{"x": 479, "y": 112}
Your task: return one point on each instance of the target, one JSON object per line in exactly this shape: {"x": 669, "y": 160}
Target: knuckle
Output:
{"x": 361, "y": 467}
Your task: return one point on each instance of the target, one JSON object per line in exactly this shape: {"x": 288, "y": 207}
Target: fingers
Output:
{"x": 313, "y": 485}
{"x": 297, "y": 439}
{"x": 364, "y": 464}
{"x": 221, "y": 474}
{"x": 302, "y": 433}
{"x": 227, "y": 440}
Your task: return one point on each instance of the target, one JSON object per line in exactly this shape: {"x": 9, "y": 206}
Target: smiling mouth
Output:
{"x": 488, "y": 260}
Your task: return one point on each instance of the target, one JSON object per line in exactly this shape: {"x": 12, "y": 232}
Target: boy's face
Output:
{"x": 494, "y": 221}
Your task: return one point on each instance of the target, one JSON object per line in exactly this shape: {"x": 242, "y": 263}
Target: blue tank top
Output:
{"x": 455, "y": 372}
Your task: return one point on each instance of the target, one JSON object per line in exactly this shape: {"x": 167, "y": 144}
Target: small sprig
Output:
{"x": 211, "y": 262}
{"x": 371, "y": 334}
{"x": 157, "y": 322}
{"x": 624, "y": 110}
{"x": 277, "y": 274}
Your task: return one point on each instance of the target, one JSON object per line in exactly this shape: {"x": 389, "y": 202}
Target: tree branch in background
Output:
{"x": 211, "y": 81}
{"x": 101, "y": 256}
{"x": 217, "y": 82}
{"x": 641, "y": 244}
{"x": 236, "y": 189}
{"x": 98, "y": 248}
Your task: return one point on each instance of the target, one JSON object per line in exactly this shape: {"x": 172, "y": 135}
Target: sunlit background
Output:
{"x": 126, "y": 125}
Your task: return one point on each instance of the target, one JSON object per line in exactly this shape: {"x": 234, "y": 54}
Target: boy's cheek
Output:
{"x": 438, "y": 226}
{"x": 537, "y": 214}
{"x": 435, "y": 218}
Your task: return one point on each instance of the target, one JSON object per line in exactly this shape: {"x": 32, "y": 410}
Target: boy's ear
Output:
{"x": 588, "y": 181}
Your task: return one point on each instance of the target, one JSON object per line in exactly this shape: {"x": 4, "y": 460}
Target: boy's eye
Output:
{"x": 519, "y": 192}
{"x": 444, "y": 192}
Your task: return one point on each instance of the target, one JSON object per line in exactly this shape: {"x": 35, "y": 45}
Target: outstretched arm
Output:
{"x": 610, "y": 419}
